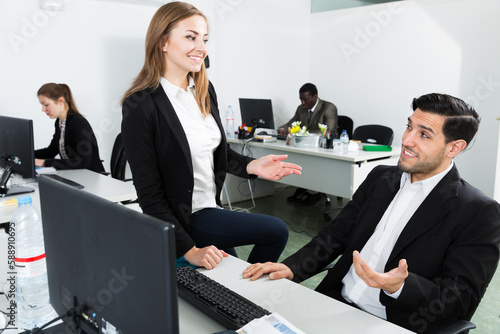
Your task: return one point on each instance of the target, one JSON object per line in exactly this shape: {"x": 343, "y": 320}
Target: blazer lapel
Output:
{"x": 430, "y": 212}
{"x": 166, "y": 110}
{"x": 216, "y": 116}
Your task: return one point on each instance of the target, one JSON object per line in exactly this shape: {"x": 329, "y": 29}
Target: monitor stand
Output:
{"x": 13, "y": 190}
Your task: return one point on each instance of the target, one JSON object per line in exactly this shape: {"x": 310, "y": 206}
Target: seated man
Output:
{"x": 418, "y": 245}
{"x": 311, "y": 112}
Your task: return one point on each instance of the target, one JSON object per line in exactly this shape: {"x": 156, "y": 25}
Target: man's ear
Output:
{"x": 455, "y": 147}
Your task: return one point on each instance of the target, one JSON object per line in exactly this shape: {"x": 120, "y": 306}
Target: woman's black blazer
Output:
{"x": 158, "y": 153}
{"x": 80, "y": 144}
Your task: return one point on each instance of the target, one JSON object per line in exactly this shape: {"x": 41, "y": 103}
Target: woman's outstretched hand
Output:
{"x": 273, "y": 167}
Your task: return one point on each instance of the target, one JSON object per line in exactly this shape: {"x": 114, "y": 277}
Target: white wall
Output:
{"x": 372, "y": 61}
{"x": 261, "y": 51}
{"x": 77, "y": 46}
{"x": 97, "y": 47}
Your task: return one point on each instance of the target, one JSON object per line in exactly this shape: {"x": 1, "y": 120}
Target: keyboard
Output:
{"x": 64, "y": 180}
{"x": 217, "y": 301}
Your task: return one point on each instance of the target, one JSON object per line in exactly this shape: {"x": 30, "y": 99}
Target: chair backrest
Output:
{"x": 118, "y": 159}
{"x": 374, "y": 134}
{"x": 345, "y": 123}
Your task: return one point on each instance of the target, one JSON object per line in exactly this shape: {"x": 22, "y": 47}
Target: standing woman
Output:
{"x": 177, "y": 150}
{"x": 73, "y": 139}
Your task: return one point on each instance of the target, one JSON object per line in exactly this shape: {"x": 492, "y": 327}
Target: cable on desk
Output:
{"x": 73, "y": 312}
{"x": 244, "y": 147}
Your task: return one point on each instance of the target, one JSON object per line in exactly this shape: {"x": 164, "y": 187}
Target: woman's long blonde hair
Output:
{"x": 163, "y": 21}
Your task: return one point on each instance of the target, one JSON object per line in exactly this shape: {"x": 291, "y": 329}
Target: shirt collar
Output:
{"x": 427, "y": 184}
{"x": 312, "y": 109}
{"x": 172, "y": 89}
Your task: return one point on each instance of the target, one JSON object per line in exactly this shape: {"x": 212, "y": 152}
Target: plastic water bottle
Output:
{"x": 229, "y": 122}
{"x": 32, "y": 291}
{"x": 344, "y": 142}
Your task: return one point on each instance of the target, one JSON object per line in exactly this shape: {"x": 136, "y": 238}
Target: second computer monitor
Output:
{"x": 16, "y": 152}
{"x": 111, "y": 267}
{"x": 257, "y": 112}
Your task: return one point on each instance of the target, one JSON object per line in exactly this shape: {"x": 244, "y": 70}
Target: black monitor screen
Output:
{"x": 115, "y": 265}
{"x": 17, "y": 153}
{"x": 257, "y": 112}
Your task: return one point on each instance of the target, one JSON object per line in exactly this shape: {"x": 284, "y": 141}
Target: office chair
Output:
{"x": 374, "y": 134}
{"x": 345, "y": 123}
{"x": 454, "y": 327}
{"x": 118, "y": 162}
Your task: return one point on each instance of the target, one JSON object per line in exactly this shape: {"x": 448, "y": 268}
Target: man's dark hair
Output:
{"x": 462, "y": 120}
{"x": 309, "y": 88}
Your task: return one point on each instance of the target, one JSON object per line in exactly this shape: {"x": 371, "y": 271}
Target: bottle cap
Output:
{"x": 344, "y": 131}
{"x": 24, "y": 200}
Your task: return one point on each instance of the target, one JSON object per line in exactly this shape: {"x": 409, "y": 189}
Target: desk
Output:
{"x": 323, "y": 170}
{"x": 310, "y": 311}
{"x": 95, "y": 183}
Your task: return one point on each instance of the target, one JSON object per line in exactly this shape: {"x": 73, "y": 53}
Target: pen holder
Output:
{"x": 329, "y": 142}
{"x": 241, "y": 133}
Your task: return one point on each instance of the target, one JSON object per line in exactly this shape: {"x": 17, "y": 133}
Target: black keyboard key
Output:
{"x": 220, "y": 303}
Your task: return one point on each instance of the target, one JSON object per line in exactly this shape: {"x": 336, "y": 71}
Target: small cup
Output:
{"x": 329, "y": 142}
{"x": 241, "y": 133}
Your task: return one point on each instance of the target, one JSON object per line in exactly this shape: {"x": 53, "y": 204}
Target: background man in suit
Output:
{"x": 418, "y": 244}
{"x": 311, "y": 112}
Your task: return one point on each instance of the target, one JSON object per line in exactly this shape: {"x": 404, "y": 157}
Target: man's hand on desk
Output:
{"x": 275, "y": 271}
{"x": 390, "y": 281}
{"x": 207, "y": 257}
{"x": 272, "y": 167}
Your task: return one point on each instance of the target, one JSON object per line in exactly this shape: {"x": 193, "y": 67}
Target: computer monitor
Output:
{"x": 17, "y": 153}
{"x": 116, "y": 266}
{"x": 257, "y": 113}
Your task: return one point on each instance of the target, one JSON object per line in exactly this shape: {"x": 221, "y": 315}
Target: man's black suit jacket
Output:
{"x": 160, "y": 160}
{"x": 451, "y": 245}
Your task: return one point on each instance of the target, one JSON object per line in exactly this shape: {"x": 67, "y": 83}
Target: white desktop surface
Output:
{"x": 95, "y": 183}
{"x": 308, "y": 310}
{"x": 323, "y": 170}
{"x": 351, "y": 156}
{"x": 101, "y": 185}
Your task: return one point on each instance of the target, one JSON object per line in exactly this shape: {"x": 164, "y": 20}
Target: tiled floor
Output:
{"x": 305, "y": 221}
